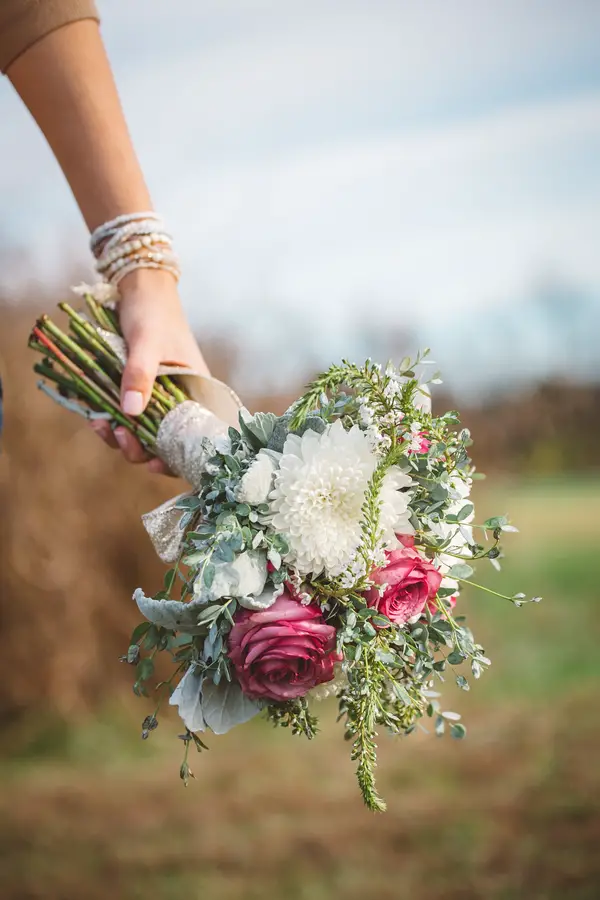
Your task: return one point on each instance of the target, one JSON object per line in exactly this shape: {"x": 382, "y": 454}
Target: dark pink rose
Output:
{"x": 411, "y": 581}
{"x": 282, "y": 652}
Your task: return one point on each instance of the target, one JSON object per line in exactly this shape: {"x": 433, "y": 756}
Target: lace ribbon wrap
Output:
{"x": 181, "y": 442}
{"x": 185, "y": 441}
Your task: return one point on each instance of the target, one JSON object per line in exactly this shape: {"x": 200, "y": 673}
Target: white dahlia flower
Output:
{"x": 256, "y": 484}
{"x": 318, "y": 496}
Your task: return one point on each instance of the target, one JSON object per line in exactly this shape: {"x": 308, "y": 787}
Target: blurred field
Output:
{"x": 88, "y": 809}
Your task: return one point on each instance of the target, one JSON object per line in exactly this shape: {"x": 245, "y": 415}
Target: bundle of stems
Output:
{"x": 86, "y": 372}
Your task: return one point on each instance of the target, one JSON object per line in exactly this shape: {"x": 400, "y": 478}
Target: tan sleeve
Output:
{"x": 23, "y": 22}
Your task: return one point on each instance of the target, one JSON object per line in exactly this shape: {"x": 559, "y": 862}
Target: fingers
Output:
{"x": 130, "y": 447}
{"x": 140, "y": 371}
{"x": 122, "y": 439}
{"x": 157, "y": 467}
{"x": 105, "y": 432}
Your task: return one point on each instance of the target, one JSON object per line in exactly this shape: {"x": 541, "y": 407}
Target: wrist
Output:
{"x": 142, "y": 282}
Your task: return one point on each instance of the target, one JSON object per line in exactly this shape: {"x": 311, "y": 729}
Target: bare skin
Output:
{"x": 66, "y": 82}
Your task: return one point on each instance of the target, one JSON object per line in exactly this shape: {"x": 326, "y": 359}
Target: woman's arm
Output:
{"x": 66, "y": 82}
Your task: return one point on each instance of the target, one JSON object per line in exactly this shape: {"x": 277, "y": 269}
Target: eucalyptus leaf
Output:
{"x": 209, "y": 613}
{"x": 460, "y": 570}
{"x": 224, "y": 553}
{"x": 139, "y": 631}
{"x": 495, "y": 522}
{"x": 208, "y": 575}
{"x": 189, "y": 503}
{"x": 380, "y": 621}
{"x": 458, "y": 731}
{"x": 465, "y": 512}
{"x": 145, "y": 669}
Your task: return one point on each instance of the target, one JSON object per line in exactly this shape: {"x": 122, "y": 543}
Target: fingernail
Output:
{"x": 120, "y": 436}
{"x": 133, "y": 403}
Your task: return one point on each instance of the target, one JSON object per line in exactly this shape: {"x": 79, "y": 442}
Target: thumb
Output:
{"x": 140, "y": 371}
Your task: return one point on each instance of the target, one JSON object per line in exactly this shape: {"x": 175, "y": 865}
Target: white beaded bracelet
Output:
{"x": 133, "y": 241}
{"x": 108, "y": 228}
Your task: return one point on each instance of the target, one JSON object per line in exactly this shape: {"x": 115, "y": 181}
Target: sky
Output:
{"x": 342, "y": 177}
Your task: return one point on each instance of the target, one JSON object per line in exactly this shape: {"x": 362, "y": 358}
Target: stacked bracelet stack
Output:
{"x": 133, "y": 241}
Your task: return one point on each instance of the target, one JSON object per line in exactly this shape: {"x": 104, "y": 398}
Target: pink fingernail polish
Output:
{"x": 133, "y": 403}
{"x": 120, "y": 436}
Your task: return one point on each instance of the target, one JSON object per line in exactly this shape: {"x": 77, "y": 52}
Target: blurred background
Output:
{"x": 342, "y": 179}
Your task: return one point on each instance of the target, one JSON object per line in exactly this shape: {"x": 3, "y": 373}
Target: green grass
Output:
{"x": 543, "y": 649}
{"x": 510, "y": 813}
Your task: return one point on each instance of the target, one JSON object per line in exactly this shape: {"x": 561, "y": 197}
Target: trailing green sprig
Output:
{"x": 294, "y": 714}
{"x": 359, "y": 704}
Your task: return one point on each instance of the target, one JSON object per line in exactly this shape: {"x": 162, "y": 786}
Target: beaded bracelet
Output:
{"x": 110, "y": 227}
{"x": 133, "y": 241}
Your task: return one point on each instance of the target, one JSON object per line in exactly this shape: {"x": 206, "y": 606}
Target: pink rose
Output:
{"x": 411, "y": 581}
{"x": 282, "y": 652}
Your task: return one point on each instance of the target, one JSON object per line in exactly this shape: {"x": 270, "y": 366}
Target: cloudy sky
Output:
{"x": 337, "y": 171}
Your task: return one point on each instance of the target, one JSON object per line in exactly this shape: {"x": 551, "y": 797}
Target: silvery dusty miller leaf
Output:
{"x": 171, "y": 614}
{"x": 188, "y": 697}
{"x": 224, "y": 706}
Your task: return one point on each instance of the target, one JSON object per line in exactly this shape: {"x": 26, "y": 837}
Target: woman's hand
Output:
{"x": 156, "y": 331}
{"x": 66, "y": 82}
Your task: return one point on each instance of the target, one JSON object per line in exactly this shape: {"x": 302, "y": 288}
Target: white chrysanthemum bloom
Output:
{"x": 256, "y": 484}
{"x": 318, "y": 496}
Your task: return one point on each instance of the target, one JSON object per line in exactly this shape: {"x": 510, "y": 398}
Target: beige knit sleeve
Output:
{"x": 23, "y": 22}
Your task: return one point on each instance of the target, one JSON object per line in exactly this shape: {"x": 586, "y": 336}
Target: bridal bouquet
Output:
{"x": 321, "y": 552}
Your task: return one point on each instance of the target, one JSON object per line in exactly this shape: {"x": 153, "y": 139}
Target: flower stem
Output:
{"x": 486, "y": 589}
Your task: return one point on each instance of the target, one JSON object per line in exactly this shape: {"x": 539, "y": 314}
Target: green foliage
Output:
{"x": 294, "y": 714}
